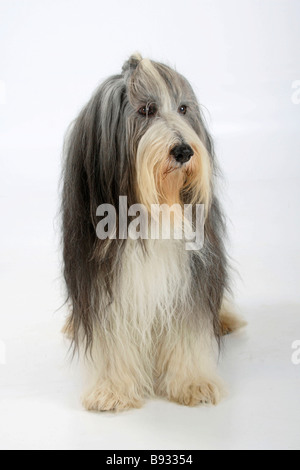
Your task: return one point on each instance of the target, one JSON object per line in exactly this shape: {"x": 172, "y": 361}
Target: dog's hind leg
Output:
{"x": 68, "y": 328}
{"x": 229, "y": 320}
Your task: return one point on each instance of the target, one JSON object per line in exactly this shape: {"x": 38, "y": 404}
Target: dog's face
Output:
{"x": 164, "y": 128}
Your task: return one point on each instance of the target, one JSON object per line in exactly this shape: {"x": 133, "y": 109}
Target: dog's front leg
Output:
{"x": 186, "y": 366}
{"x": 120, "y": 374}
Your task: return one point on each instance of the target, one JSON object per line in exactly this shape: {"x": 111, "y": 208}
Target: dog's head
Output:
{"x": 166, "y": 138}
{"x": 142, "y": 136}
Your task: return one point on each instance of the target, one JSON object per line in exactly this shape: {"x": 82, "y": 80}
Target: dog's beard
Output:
{"x": 160, "y": 179}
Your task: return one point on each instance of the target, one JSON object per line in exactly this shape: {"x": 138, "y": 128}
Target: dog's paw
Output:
{"x": 206, "y": 392}
{"x": 100, "y": 399}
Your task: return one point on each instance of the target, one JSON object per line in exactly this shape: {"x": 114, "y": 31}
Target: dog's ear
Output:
{"x": 92, "y": 151}
{"x": 97, "y": 168}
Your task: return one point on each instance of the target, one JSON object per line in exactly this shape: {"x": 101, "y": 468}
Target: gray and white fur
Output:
{"x": 147, "y": 315}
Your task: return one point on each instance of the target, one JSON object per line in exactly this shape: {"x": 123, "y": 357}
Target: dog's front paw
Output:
{"x": 105, "y": 399}
{"x": 205, "y": 392}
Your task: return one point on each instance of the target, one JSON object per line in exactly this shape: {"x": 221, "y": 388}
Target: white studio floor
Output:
{"x": 40, "y": 407}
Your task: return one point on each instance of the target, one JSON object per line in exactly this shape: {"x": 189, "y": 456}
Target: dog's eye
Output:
{"x": 182, "y": 109}
{"x": 149, "y": 111}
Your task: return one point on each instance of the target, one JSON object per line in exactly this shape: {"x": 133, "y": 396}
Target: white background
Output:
{"x": 242, "y": 57}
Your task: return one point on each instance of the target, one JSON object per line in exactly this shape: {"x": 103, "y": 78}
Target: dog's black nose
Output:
{"x": 182, "y": 153}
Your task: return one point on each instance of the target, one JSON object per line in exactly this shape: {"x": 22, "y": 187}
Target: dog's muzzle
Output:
{"x": 182, "y": 153}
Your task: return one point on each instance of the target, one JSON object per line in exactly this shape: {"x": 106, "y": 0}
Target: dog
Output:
{"x": 146, "y": 314}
